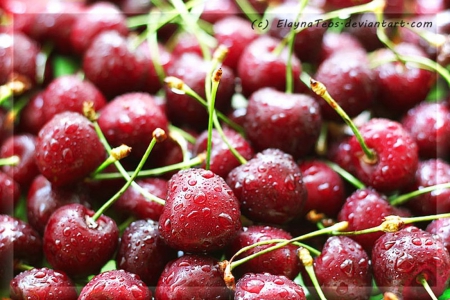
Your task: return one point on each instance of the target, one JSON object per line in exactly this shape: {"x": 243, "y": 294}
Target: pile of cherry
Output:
{"x": 231, "y": 183}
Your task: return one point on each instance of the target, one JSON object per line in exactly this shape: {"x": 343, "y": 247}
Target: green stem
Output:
{"x": 315, "y": 282}
{"x": 423, "y": 281}
{"x": 312, "y": 250}
{"x": 211, "y": 104}
{"x": 249, "y": 11}
{"x": 152, "y": 40}
{"x": 188, "y": 137}
{"x": 346, "y": 175}
{"x": 320, "y": 89}
{"x": 122, "y": 170}
{"x": 405, "y": 197}
{"x": 155, "y": 172}
{"x": 10, "y": 161}
{"x": 179, "y": 139}
{"x": 116, "y": 196}
{"x": 321, "y": 144}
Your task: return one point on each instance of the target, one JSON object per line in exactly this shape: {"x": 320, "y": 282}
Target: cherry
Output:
{"x": 402, "y": 258}
{"x": 186, "y": 43}
{"x": 115, "y": 284}
{"x": 134, "y": 203}
{"x": 234, "y": 33}
{"x": 325, "y": 188}
{"x": 142, "y": 251}
{"x": 366, "y": 35}
{"x": 401, "y": 86}
{"x": 112, "y": 66}
{"x": 269, "y": 187}
{"x": 69, "y": 93}
{"x": 42, "y": 283}
{"x": 396, "y": 155}
{"x": 201, "y": 213}
{"x": 18, "y": 54}
{"x": 76, "y": 244}
{"x": 309, "y": 39}
{"x": 97, "y": 18}
{"x": 32, "y": 115}
{"x": 181, "y": 109}
{"x": 429, "y": 173}
{"x": 23, "y": 146}
{"x": 267, "y": 286}
{"x": 19, "y": 244}
{"x": 441, "y": 228}
{"x": 260, "y": 67}
{"x": 191, "y": 277}
{"x": 365, "y": 208}
{"x": 350, "y": 81}
{"x": 130, "y": 119}
{"x": 343, "y": 270}
{"x": 429, "y": 125}
{"x": 222, "y": 159}
{"x": 9, "y": 194}
{"x": 216, "y": 10}
{"x": 68, "y": 149}
{"x": 334, "y": 42}
{"x": 271, "y": 112}
{"x": 283, "y": 261}
{"x": 44, "y": 198}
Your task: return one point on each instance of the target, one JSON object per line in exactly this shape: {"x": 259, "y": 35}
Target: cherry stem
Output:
{"x": 22, "y": 266}
{"x": 346, "y": 175}
{"x": 320, "y": 89}
{"x": 211, "y": 103}
{"x": 423, "y": 281}
{"x": 181, "y": 141}
{"x": 179, "y": 87}
{"x": 122, "y": 170}
{"x": 308, "y": 263}
{"x": 188, "y": 137}
{"x": 282, "y": 243}
{"x": 405, "y": 197}
{"x": 110, "y": 202}
{"x": 156, "y": 171}
{"x": 115, "y": 154}
{"x": 152, "y": 40}
{"x": 10, "y": 161}
{"x": 249, "y": 11}
{"x": 291, "y": 39}
{"x": 321, "y": 144}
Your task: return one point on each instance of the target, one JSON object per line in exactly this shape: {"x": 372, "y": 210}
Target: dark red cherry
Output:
{"x": 396, "y": 155}
{"x": 267, "y": 286}
{"x": 68, "y": 149}
{"x": 350, "y": 82}
{"x": 365, "y": 209}
{"x": 191, "y": 277}
{"x": 275, "y": 117}
{"x": 429, "y": 173}
{"x": 32, "y": 115}
{"x": 399, "y": 258}
{"x": 441, "y": 228}
{"x": 43, "y": 199}
{"x": 429, "y": 125}
{"x": 343, "y": 270}
{"x": 69, "y": 93}
{"x": 97, "y": 18}
{"x": 9, "y": 194}
{"x": 115, "y": 284}
{"x": 269, "y": 187}
{"x": 201, "y": 213}
{"x": 42, "y": 283}
{"x": 222, "y": 159}
{"x": 143, "y": 252}
{"x": 134, "y": 203}
{"x": 333, "y": 42}
{"x": 76, "y": 244}
{"x": 325, "y": 188}
{"x": 260, "y": 67}
{"x": 283, "y": 261}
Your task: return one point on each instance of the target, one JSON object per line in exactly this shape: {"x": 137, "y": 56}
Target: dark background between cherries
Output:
{"x": 120, "y": 79}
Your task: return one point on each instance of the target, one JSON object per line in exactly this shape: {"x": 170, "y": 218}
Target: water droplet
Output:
{"x": 192, "y": 182}
{"x": 225, "y": 220}
{"x": 347, "y": 267}
{"x": 289, "y": 181}
{"x": 192, "y": 214}
{"x": 388, "y": 245}
{"x": 66, "y": 231}
{"x": 278, "y": 281}
{"x": 167, "y": 225}
{"x": 54, "y": 145}
{"x": 178, "y": 207}
{"x": 67, "y": 155}
{"x": 404, "y": 263}
{"x": 217, "y": 189}
{"x": 39, "y": 274}
{"x": 71, "y": 128}
{"x": 417, "y": 241}
{"x": 200, "y": 198}
{"x": 253, "y": 286}
{"x": 206, "y": 268}
{"x": 342, "y": 288}
{"x": 206, "y": 212}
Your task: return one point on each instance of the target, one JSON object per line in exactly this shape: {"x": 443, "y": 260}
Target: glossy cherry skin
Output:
{"x": 396, "y": 154}
{"x": 399, "y": 258}
{"x": 42, "y": 283}
{"x": 283, "y": 261}
{"x": 115, "y": 284}
{"x": 267, "y": 286}
{"x": 191, "y": 277}
{"x": 441, "y": 228}
{"x": 75, "y": 244}
{"x": 201, "y": 213}
{"x": 68, "y": 149}
{"x": 269, "y": 187}
{"x": 289, "y": 122}
{"x": 143, "y": 252}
